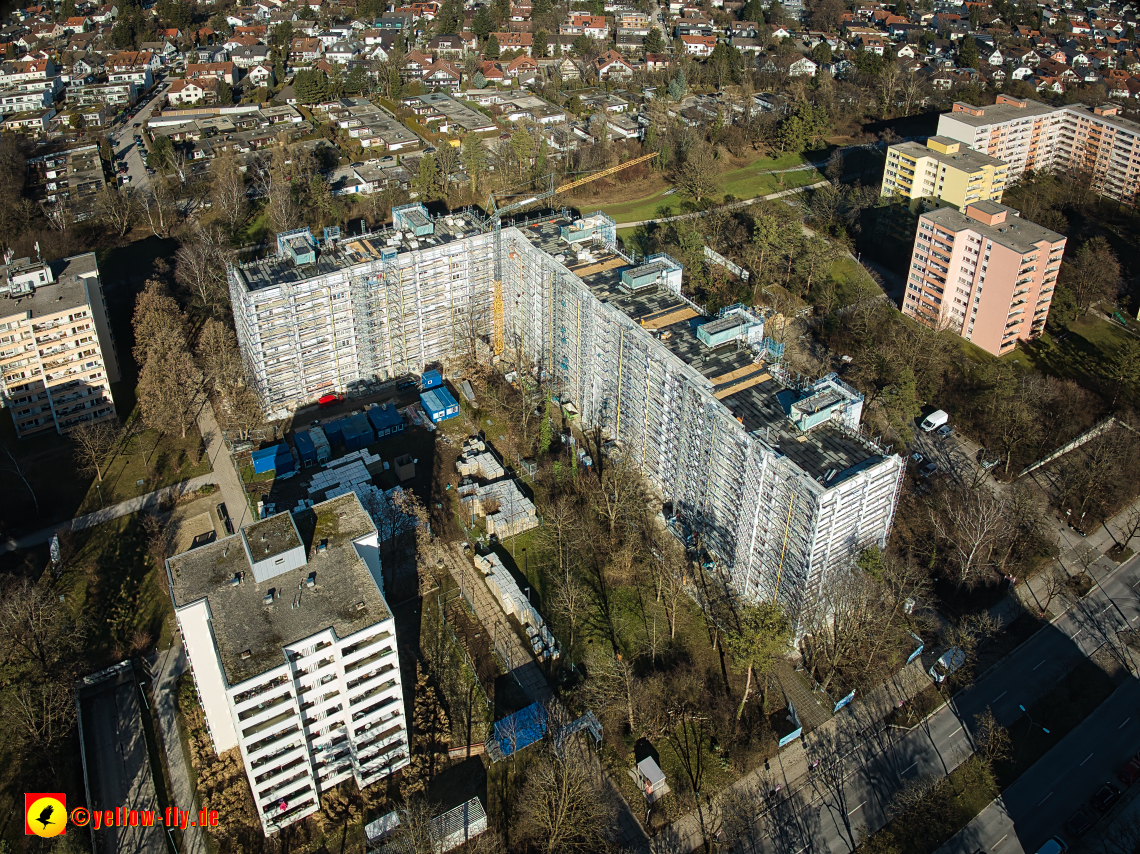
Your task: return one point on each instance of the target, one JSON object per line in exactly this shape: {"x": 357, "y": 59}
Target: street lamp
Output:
{"x": 1032, "y": 723}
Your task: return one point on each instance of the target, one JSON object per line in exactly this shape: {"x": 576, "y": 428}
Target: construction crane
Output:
{"x": 497, "y": 214}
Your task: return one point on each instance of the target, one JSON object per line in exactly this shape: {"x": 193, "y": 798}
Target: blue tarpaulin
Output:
{"x": 522, "y": 729}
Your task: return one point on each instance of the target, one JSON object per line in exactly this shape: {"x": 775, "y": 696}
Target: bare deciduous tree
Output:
{"x": 200, "y": 268}
{"x": 170, "y": 388}
{"x": 92, "y": 444}
{"x": 972, "y": 522}
{"x": 117, "y": 208}
{"x": 563, "y": 809}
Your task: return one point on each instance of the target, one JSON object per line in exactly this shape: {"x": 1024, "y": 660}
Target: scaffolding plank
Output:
{"x": 735, "y": 375}
{"x": 659, "y": 320}
{"x": 741, "y": 386}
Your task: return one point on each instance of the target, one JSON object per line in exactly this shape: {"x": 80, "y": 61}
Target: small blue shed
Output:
{"x": 439, "y": 404}
{"x": 430, "y": 379}
{"x": 386, "y": 420}
{"x": 306, "y": 450}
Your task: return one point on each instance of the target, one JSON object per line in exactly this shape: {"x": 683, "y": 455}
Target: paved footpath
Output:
{"x": 223, "y": 476}
{"x": 165, "y": 670}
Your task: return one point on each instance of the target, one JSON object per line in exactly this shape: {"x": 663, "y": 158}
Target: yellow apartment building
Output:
{"x": 944, "y": 172}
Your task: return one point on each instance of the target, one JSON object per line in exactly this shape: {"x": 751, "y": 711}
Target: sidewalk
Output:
{"x": 115, "y": 511}
{"x": 165, "y": 670}
{"x": 224, "y": 475}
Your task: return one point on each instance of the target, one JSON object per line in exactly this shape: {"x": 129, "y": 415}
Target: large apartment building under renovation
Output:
{"x": 768, "y": 470}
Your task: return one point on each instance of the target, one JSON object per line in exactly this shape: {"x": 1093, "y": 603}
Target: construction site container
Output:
{"x": 284, "y": 463}
{"x": 385, "y": 419}
{"x": 306, "y": 450}
{"x": 430, "y": 379}
{"x": 439, "y": 404}
{"x": 334, "y": 431}
{"x": 321, "y": 444}
{"x": 413, "y": 218}
{"x": 276, "y": 457}
{"x": 357, "y": 432}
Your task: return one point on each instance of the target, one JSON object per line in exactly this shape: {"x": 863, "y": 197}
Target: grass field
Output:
{"x": 152, "y": 458}
{"x": 745, "y": 182}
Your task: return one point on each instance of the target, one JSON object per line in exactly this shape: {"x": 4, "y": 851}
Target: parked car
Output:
{"x": 945, "y": 430}
{"x": 223, "y": 513}
{"x": 1079, "y": 824}
{"x": 947, "y": 663}
{"x": 1129, "y": 773}
{"x": 928, "y": 469}
{"x": 1105, "y": 797}
{"x": 934, "y": 420}
{"x": 1053, "y": 845}
{"x": 229, "y": 527}
{"x": 327, "y": 400}
{"x": 986, "y": 460}
{"x": 917, "y": 458}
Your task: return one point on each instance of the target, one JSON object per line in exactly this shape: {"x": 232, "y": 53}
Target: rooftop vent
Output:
{"x": 236, "y": 580}
{"x": 246, "y": 653}
{"x": 359, "y": 606}
{"x": 311, "y": 581}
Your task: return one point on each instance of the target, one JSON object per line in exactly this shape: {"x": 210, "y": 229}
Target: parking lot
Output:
{"x": 956, "y": 456}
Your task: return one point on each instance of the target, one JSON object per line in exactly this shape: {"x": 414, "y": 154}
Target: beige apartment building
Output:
{"x": 943, "y": 172}
{"x": 57, "y": 357}
{"x": 1019, "y": 132}
{"x": 985, "y": 273}
{"x": 1092, "y": 143}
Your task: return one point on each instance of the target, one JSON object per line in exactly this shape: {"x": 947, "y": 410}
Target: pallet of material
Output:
{"x": 661, "y": 319}
{"x": 741, "y": 386}
{"x": 598, "y": 268}
{"x": 734, "y": 375}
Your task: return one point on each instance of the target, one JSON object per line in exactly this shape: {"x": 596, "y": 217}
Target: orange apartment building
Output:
{"x": 984, "y": 273}
{"x": 1091, "y": 142}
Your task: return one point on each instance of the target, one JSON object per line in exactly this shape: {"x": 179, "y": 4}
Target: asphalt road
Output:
{"x": 1037, "y": 806}
{"x": 122, "y": 138}
{"x": 846, "y": 796}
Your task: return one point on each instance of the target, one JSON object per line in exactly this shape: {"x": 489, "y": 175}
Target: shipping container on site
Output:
{"x": 386, "y": 419}
{"x": 439, "y": 404}
{"x": 430, "y": 379}
{"x": 306, "y": 450}
{"x": 274, "y": 458}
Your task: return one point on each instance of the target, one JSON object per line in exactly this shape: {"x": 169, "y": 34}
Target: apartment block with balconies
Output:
{"x": 1098, "y": 145}
{"x": 984, "y": 273}
{"x": 943, "y": 172}
{"x": 1018, "y": 131}
{"x": 57, "y": 356}
{"x": 293, "y": 651}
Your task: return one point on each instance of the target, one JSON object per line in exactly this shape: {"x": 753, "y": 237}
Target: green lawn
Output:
{"x": 851, "y": 281}
{"x": 155, "y": 459}
{"x": 747, "y": 182}
{"x": 1085, "y": 355}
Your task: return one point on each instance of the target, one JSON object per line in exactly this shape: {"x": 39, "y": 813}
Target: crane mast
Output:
{"x": 497, "y": 214}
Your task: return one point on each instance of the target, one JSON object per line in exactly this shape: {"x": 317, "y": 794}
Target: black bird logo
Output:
{"x": 44, "y": 817}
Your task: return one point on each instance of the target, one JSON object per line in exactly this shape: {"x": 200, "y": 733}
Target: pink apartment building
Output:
{"x": 985, "y": 273}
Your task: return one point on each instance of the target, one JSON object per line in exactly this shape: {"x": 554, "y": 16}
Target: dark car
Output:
{"x": 403, "y": 384}
{"x": 1105, "y": 797}
{"x": 229, "y": 527}
{"x": 1129, "y": 773}
{"x": 223, "y": 513}
{"x": 1079, "y": 824}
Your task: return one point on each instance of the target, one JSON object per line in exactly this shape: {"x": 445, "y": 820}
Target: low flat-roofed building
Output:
{"x": 293, "y": 651}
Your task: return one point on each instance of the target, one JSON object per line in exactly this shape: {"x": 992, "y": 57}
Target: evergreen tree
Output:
{"x": 491, "y": 47}
{"x": 968, "y": 53}
{"x": 678, "y": 86}
{"x": 654, "y": 43}
{"x": 541, "y": 44}
{"x": 427, "y": 179}
{"x": 474, "y": 157}
{"x": 482, "y": 25}
{"x": 753, "y": 11}
{"x": 309, "y": 85}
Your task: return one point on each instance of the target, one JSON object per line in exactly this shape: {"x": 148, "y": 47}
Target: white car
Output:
{"x": 947, "y": 663}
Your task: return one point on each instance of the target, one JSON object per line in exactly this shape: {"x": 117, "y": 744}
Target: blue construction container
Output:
{"x": 357, "y": 432}
{"x": 284, "y": 463}
{"x": 439, "y": 404}
{"x": 306, "y": 450}
{"x": 430, "y": 379}
{"x": 386, "y": 420}
{"x": 266, "y": 459}
{"x": 334, "y": 431}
